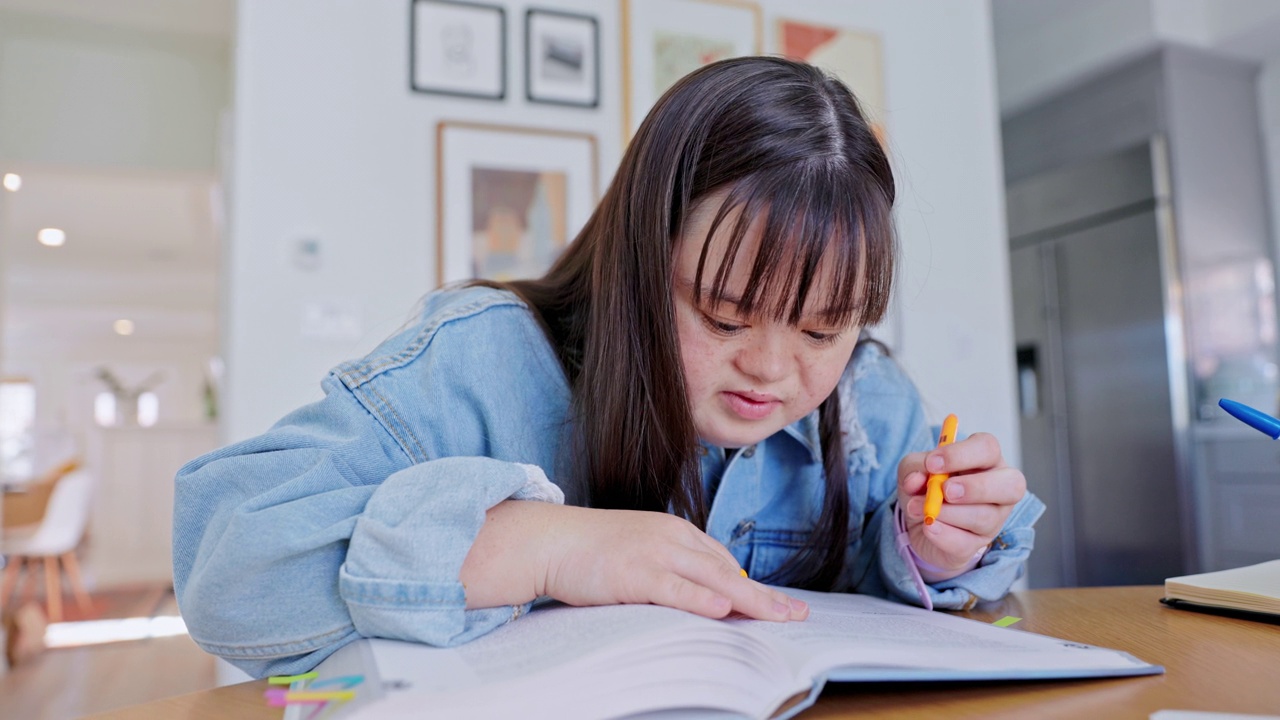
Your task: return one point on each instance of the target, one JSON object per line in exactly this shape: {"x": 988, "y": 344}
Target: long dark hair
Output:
{"x": 789, "y": 143}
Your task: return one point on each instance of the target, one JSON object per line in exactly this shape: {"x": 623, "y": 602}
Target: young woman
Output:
{"x": 684, "y": 395}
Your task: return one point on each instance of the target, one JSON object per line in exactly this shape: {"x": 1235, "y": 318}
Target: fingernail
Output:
{"x": 781, "y": 608}
{"x": 934, "y": 463}
{"x": 721, "y": 602}
{"x": 915, "y": 506}
{"x": 955, "y": 491}
{"x": 798, "y": 605}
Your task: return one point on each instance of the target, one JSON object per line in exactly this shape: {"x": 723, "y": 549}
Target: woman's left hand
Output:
{"x": 980, "y": 494}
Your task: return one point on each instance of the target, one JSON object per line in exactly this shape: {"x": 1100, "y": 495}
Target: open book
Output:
{"x": 1252, "y": 589}
{"x": 637, "y": 660}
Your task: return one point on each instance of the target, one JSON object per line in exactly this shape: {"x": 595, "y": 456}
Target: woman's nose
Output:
{"x": 763, "y": 357}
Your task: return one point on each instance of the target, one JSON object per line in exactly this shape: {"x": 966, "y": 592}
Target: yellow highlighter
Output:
{"x": 933, "y": 489}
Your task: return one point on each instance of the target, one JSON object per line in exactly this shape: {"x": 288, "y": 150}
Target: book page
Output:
{"x": 585, "y": 662}
{"x": 549, "y": 636}
{"x": 1254, "y": 587}
{"x": 861, "y": 633}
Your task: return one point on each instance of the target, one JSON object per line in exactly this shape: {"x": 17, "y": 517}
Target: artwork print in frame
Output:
{"x": 458, "y": 48}
{"x": 664, "y": 40}
{"x": 562, "y": 58}
{"x": 509, "y": 199}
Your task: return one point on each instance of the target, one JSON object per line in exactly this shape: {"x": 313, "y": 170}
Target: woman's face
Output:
{"x": 747, "y": 378}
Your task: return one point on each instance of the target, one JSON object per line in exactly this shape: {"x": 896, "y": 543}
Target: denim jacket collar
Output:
{"x": 805, "y": 432}
{"x": 859, "y": 450}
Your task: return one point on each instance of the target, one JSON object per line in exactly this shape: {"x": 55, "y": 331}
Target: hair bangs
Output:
{"x": 816, "y": 221}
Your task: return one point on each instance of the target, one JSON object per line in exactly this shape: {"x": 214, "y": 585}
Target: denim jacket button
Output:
{"x": 749, "y": 451}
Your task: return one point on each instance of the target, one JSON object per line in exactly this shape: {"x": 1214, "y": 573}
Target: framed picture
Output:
{"x": 509, "y": 199}
{"x": 856, "y": 57}
{"x": 458, "y": 48}
{"x": 562, "y": 58}
{"x": 664, "y": 40}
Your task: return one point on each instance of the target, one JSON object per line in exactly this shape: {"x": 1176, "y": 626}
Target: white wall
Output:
{"x": 82, "y": 94}
{"x": 329, "y": 142}
{"x": 944, "y": 129}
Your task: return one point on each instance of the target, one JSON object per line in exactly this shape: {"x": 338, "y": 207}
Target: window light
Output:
{"x": 148, "y": 409}
{"x": 104, "y": 409}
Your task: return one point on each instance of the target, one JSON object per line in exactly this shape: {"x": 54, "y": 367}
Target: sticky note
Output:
{"x": 1006, "y": 621}
{"x": 305, "y": 696}
{"x": 344, "y": 682}
{"x": 287, "y": 679}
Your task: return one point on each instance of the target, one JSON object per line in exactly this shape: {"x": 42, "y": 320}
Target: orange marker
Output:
{"x": 933, "y": 489}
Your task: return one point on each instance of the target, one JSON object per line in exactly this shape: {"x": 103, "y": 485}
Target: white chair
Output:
{"x": 55, "y": 541}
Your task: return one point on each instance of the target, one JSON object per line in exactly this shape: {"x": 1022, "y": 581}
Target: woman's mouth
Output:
{"x": 751, "y": 405}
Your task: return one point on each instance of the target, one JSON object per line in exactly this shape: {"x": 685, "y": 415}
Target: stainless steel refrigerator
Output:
{"x": 1101, "y": 369}
{"x": 1143, "y": 275}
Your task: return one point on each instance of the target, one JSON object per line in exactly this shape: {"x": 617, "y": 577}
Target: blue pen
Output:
{"x": 1255, "y": 419}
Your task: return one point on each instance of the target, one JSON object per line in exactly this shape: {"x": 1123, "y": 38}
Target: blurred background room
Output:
{"x": 207, "y": 204}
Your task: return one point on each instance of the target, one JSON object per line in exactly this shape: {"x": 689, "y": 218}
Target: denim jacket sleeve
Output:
{"x": 890, "y": 424}
{"x": 325, "y": 529}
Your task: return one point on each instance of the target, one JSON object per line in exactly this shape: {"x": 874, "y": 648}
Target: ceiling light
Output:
{"x": 53, "y": 237}
{"x": 12, "y": 182}
{"x": 123, "y": 327}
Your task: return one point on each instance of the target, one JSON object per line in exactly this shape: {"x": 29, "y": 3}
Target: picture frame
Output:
{"x": 562, "y": 58}
{"x": 856, "y": 57}
{"x": 458, "y": 48}
{"x": 658, "y": 47}
{"x": 509, "y": 198}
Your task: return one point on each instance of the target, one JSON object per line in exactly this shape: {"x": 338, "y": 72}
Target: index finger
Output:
{"x": 753, "y": 599}
{"x": 979, "y": 451}
{"x": 1001, "y": 486}
{"x": 745, "y": 592}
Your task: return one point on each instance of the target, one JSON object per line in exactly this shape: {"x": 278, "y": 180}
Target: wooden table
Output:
{"x": 1212, "y": 663}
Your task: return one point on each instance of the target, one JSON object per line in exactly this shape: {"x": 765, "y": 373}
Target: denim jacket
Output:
{"x": 352, "y": 516}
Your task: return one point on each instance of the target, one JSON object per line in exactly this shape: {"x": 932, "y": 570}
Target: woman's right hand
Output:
{"x": 586, "y": 556}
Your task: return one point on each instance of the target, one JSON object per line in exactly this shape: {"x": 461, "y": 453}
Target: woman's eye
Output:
{"x": 822, "y": 338}
{"x": 723, "y": 328}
